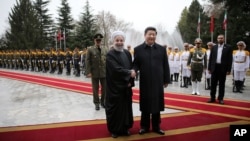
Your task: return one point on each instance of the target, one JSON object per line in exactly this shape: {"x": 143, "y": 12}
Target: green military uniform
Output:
{"x": 96, "y": 66}
{"x": 198, "y": 62}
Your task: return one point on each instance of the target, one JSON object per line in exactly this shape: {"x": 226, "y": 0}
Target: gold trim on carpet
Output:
{"x": 174, "y": 131}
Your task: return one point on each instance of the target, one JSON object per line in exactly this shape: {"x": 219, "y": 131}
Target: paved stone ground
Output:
{"x": 24, "y": 103}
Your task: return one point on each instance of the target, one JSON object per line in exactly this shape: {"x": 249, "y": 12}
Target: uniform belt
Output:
{"x": 239, "y": 61}
{"x": 196, "y": 61}
{"x": 184, "y": 59}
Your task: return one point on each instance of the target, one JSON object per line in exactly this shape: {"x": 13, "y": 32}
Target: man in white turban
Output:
{"x": 119, "y": 80}
{"x": 118, "y": 46}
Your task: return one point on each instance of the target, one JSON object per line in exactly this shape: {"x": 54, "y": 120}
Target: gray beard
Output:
{"x": 118, "y": 48}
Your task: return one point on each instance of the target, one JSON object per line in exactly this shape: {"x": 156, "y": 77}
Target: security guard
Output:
{"x": 96, "y": 69}
{"x": 198, "y": 62}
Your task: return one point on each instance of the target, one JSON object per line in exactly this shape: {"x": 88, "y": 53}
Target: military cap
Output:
{"x": 98, "y": 36}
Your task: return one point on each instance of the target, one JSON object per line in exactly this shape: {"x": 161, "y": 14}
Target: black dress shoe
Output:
{"x": 161, "y": 132}
{"x": 103, "y": 105}
{"x": 114, "y": 135}
{"x": 143, "y": 131}
{"x": 221, "y": 102}
{"x": 97, "y": 107}
{"x": 126, "y": 133}
{"x": 211, "y": 101}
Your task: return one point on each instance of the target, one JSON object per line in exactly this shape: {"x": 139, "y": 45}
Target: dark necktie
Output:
{"x": 99, "y": 49}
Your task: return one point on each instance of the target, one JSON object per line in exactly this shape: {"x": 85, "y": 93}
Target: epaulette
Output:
{"x": 234, "y": 52}
{"x": 191, "y": 50}
{"x": 204, "y": 50}
{"x": 247, "y": 53}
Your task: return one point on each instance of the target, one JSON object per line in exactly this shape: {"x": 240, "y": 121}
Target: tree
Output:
{"x": 3, "y": 43}
{"x": 45, "y": 22}
{"x": 108, "y": 23}
{"x": 188, "y": 23}
{"x": 182, "y": 24}
{"x": 87, "y": 27}
{"x": 238, "y": 19}
{"x": 24, "y": 30}
{"x": 65, "y": 21}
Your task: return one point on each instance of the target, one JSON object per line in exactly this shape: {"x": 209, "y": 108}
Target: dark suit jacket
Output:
{"x": 226, "y": 59}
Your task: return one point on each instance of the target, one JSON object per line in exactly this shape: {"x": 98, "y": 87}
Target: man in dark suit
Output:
{"x": 151, "y": 60}
{"x": 220, "y": 63}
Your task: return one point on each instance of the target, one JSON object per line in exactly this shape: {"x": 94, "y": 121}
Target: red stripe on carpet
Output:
{"x": 95, "y": 131}
{"x": 45, "y": 77}
{"x": 221, "y": 134}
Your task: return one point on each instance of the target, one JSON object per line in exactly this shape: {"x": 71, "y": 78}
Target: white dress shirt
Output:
{"x": 219, "y": 53}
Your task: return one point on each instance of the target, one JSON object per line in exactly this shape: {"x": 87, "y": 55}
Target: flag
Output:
{"x": 212, "y": 24}
{"x": 199, "y": 24}
{"x": 59, "y": 35}
{"x": 225, "y": 21}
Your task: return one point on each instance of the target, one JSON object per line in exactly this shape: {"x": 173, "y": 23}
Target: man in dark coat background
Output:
{"x": 151, "y": 60}
{"x": 220, "y": 64}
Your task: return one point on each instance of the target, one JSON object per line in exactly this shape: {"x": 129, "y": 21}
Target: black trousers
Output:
{"x": 218, "y": 76}
{"x": 145, "y": 120}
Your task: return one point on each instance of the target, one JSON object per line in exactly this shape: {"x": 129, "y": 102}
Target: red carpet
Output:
{"x": 203, "y": 120}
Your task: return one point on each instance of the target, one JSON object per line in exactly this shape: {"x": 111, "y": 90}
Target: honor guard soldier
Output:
{"x": 52, "y": 59}
{"x": 198, "y": 62}
{"x": 76, "y": 59}
{"x": 68, "y": 59}
{"x": 83, "y": 58}
{"x": 96, "y": 69}
{"x": 240, "y": 65}
{"x": 26, "y": 60}
{"x": 1, "y": 59}
{"x": 176, "y": 65}
{"x": 185, "y": 71}
{"x": 32, "y": 59}
{"x": 60, "y": 61}
{"x": 21, "y": 58}
{"x": 14, "y": 60}
{"x": 170, "y": 54}
{"x": 45, "y": 60}
{"x": 208, "y": 75}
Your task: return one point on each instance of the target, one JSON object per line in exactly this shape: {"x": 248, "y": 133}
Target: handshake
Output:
{"x": 133, "y": 73}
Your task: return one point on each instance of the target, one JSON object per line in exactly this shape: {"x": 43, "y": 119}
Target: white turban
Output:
{"x": 118, "y": 33}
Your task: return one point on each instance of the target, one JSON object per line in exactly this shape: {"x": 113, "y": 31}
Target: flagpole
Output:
{"x": 225, "y": 25}
{"x": 199, "y": 26}
{"x": 60, "y": 39}
{"x": 64, "y": 39}
{"x": 212, "y": 27}
{"x": 56, "y": 39}
{"x": 212, "y": 36}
